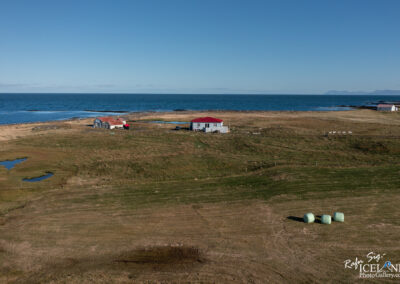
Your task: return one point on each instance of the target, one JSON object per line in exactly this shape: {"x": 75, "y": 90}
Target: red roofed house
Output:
{"x": 386, "y": 107}
{"x": 208, "y": 124}
{"x": 108, "y": 122}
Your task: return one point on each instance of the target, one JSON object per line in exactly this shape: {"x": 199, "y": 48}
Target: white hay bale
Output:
{"x": 309, "y": 218}
{"x": 338, "y": 217}
{"x": 326, "y": 219}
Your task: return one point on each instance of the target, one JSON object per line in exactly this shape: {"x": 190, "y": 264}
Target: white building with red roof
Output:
{"x": 208, "y": 124}
{"x": 387, "y": 107}
{"x": 108, "y": 122}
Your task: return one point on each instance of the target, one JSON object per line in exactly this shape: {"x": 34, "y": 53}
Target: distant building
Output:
{"x": 387, "y": 107}
{"x": 109, "y": 122}
{"x": 208, "y": 124}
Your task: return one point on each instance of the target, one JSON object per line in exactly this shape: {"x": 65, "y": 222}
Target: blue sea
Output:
{"x": 22, "y": 108}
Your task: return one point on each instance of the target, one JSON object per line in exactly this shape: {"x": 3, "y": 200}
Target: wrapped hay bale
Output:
{"x": 309, "y": 218}
{"x": 338, "y": 217}
{"x": 326, "y": 219}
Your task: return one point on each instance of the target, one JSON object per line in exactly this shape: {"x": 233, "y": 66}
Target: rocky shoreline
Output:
{"x": 372, "y": 105}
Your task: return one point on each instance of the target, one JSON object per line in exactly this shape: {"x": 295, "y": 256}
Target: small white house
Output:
{"x": 387, "y": 107}
{"x": 208, "y": 124}
{"x": 108, "y": 122}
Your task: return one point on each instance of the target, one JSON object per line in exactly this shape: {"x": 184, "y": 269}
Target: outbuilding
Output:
{"x": 208, "y": 124}
{"x": 387, "y": 107}
{"x": 108, "y": 122}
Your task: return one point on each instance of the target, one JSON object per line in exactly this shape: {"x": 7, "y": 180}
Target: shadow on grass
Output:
{"x": 137, "y": 261}
{"x": 301, "y": 220}
{"x": 318, "y": 219}
{"x": 294, "y": 218}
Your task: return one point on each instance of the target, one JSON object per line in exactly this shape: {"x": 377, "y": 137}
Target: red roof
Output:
{"x": 207, "y": 119}
{"x": 384, "y": 105}
{"x": 111, "y": 120}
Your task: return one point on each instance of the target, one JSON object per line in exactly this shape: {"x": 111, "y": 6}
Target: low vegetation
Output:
{"x": 155, "y": 204}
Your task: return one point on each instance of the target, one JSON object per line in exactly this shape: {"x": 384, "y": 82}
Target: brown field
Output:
{"x": 157, "y": 205}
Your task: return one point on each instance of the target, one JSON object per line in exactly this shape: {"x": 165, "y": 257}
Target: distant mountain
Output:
{"x": 334, "y": 92}
{"x": 376, "y": 92}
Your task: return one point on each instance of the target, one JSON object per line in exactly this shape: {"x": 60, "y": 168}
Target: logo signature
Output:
{"x": 373, "y": 265}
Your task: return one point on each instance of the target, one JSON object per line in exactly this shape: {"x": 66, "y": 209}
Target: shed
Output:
{"x": 387, "y": 107}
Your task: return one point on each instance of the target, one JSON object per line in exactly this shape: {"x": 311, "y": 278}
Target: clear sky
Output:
{"x": 199, "y": 46}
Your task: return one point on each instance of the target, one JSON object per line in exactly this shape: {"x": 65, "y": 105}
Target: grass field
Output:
{"x": 157, "y": 205}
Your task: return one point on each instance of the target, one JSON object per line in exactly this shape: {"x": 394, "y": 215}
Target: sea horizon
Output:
{"x": 203, "y": 94}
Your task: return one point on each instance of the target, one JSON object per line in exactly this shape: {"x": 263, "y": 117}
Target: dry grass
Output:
{"x": 152, "y": 204}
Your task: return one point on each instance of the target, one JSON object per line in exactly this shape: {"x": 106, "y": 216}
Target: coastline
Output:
{"x": 24, "y": 108}
{"x": 163, "y": 113}
{"x": 17, "y": 130}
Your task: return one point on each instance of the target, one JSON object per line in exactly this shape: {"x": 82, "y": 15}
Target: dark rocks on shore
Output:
{"x": 371, "y": 105}
{"x": 115, "y": 111}
{"x": 363, "y": 107}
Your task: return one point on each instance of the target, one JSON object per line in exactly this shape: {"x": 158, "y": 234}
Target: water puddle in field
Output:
{"x": 168, "y": 122}
{"x": 10, "y": 164}
{"x": 36, "y": 179}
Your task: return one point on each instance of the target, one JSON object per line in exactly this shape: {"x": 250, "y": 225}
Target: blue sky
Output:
{"x": 190, "y": 46}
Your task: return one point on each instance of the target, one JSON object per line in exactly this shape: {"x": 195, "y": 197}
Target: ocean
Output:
{"x": 22, "y": 108}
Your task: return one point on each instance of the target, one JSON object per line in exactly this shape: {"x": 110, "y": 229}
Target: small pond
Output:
{"x": 168, "y": 122}
{"x": 46, "y": 176}
{"x": 10, "y": 164}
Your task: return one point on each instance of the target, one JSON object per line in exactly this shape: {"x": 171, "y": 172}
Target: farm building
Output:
{"x": 109, "y": 122}
{"x": 387, "y": 107}
{"x": 208, "y": 124}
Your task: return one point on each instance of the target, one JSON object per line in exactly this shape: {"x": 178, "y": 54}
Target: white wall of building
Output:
{"x": 209, "y": 127}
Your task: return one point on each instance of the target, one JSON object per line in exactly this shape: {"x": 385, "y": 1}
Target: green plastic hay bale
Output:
{"x": 338, "y": 217}
{"x": 309, "y": 218}
{"x": 326, "y": 219}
